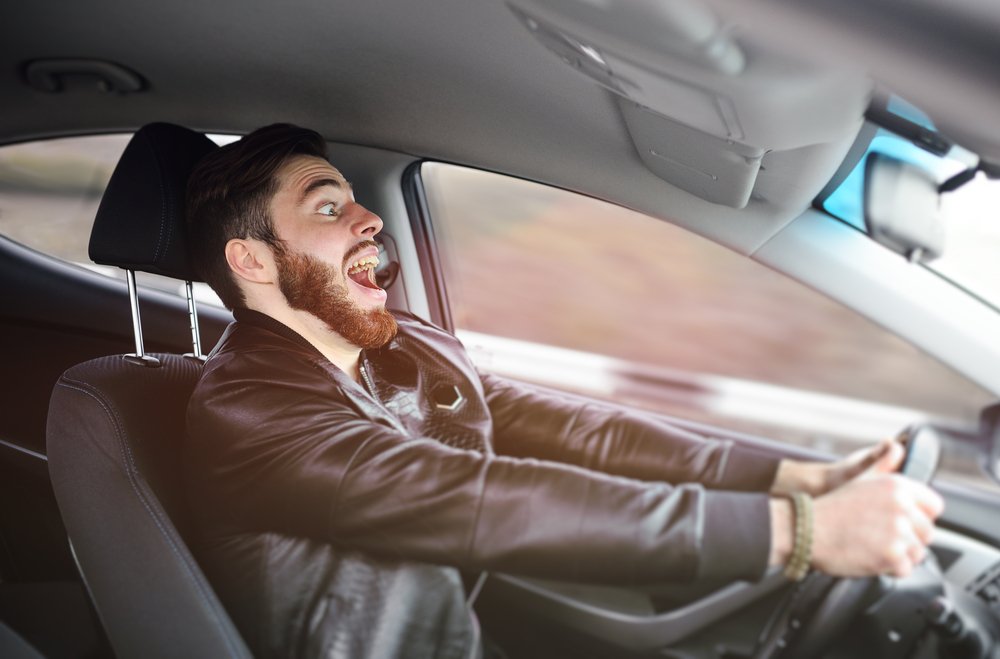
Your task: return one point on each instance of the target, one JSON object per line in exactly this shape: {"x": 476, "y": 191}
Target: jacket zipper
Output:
{"x": 363, "y": 369}
{"x": 368, "y": 385}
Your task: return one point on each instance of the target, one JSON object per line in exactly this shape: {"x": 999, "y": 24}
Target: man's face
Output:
{"x": 328, "y": 262}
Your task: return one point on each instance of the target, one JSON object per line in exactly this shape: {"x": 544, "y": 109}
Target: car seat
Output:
{"x": 116, "y": 423}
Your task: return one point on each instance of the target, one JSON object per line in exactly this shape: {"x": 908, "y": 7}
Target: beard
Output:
{"x": 312, "y": 286}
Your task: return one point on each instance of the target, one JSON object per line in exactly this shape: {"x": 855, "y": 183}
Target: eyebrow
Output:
{"x": 320, "y": 183}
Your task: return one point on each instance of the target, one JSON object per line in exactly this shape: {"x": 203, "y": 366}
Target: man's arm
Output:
{"x": 284, "y": 455}
{"x": 276, "y": 456}
{"x": 868, "y": 520}
{"x": 530, "y": 422}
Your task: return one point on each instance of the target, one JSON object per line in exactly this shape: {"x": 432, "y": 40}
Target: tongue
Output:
{"x": 365, "y": 278}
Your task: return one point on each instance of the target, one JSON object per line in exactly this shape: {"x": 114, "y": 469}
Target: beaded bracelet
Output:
{"x": 798, "y": 564}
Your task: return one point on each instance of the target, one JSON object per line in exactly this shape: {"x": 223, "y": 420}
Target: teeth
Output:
{"x": 367, "y": 263}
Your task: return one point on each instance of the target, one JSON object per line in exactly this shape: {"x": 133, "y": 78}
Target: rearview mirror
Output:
{"x": 902, "y": 208}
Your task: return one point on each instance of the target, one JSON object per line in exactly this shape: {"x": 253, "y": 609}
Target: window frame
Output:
{"x": 422, "y": 226}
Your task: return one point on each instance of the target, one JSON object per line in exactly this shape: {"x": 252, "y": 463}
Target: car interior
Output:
{"x": 733, "y": 121}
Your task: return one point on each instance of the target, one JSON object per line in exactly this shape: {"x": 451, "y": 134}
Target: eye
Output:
{"x": 329, "y": 209}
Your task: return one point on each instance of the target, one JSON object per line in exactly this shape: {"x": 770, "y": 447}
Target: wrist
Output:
{"x": 802, "y": 542}
{"x": 782, "y": 531}
{"x": 792, "y": 534}
{"x": 796, "y": 476}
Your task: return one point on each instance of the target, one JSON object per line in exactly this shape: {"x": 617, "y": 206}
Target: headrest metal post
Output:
{"x": 133, "y": 298}
{"x": 139, "y": 357}
{"x": 193, "y": 318}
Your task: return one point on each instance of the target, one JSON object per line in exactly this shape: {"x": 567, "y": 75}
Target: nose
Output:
{"x": 366, "y": 223}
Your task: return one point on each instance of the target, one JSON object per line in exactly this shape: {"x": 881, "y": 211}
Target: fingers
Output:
{"x": 887, "y": 457}
{"x": 909, "y": 549}
{"x": 926, "y": 499}
{"x": 922, "y": 525}
{"x": 877, "y": 525}
{"x": 918, "y": 506}
{"x": 902, "y": 558}
{"x": 917, "y": 554}
{"x": 882, "y": 458}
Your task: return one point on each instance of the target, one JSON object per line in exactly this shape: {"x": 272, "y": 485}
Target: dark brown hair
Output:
{"x": 229, "y": 194}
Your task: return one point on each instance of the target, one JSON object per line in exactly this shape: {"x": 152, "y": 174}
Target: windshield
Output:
{"x": 971, "y": 213}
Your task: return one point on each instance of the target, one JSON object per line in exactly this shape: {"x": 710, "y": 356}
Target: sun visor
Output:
{"x": 702, "y": 104}
{"x": 717, "y": 170}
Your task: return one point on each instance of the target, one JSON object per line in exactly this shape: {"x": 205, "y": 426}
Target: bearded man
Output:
{"x": 346, "y": 464}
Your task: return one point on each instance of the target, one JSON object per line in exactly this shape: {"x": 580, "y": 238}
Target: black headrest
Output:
{"x": 140, "y": 222}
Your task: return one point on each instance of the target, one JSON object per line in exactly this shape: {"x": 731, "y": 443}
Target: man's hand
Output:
{"x": 818, "y": 478}
{"x": 867, "y": 520}
{"x": 876, "y": 524}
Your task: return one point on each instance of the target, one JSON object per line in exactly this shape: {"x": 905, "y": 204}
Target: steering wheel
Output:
{"x": 820, "y": 608}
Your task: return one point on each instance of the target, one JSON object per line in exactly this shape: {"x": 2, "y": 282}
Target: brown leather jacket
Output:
{"x": 333, "y": 520}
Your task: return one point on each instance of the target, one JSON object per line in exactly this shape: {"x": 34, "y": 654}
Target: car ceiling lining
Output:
{"x": 442, "y": 80}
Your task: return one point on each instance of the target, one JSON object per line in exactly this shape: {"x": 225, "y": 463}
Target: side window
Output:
{"x": 49, "y": 194}
{"x": 570, "y": 292}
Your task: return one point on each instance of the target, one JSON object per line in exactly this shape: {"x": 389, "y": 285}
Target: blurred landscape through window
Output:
{"x": 49, "y": 194}
{"x": 569, "y": 291}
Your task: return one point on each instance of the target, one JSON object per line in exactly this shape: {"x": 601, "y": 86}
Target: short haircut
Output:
{"x": 229, "y": 195}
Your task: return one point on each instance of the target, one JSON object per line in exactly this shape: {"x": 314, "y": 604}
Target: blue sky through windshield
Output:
{"x": 970, "y": 213}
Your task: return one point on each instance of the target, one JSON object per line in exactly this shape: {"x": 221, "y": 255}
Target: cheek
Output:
{"x": 332, "y": 240}
{"x": 321, "y": 246}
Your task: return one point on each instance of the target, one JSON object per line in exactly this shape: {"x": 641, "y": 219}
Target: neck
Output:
{"x": 341, "y": 353}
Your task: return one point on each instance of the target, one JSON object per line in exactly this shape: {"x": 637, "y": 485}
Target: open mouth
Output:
{"x": 362, "y": 272}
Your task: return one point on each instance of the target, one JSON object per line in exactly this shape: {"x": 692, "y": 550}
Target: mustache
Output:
{"x": 357, "y": 249}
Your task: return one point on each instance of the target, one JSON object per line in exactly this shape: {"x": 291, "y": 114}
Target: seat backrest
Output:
{"x": 114, "y": 433}
{"x": 115, "y": 429}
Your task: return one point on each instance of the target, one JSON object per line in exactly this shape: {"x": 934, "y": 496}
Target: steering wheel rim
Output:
{"x": 815, "y": 612}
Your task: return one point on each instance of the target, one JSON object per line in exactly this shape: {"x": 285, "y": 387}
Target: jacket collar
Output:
{"x": 364, "y": 400}
{"x": 258, "y": 319}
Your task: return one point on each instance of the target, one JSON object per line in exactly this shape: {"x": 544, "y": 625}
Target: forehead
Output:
{"x": 302, "y": 174}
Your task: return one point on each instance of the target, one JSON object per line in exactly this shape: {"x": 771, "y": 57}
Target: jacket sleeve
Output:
{"x": 278, "y": 455}
{"x": 532, "y": 422}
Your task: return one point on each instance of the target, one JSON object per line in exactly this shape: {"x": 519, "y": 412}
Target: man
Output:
{"x": 346, "y": 462}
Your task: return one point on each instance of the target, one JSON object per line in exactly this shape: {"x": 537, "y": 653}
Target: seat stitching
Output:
{"x": 97, "y": 395}
{"x": 163, "y": 213}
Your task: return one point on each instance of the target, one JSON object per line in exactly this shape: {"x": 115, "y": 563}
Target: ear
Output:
{"x": 251, "y": 260}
